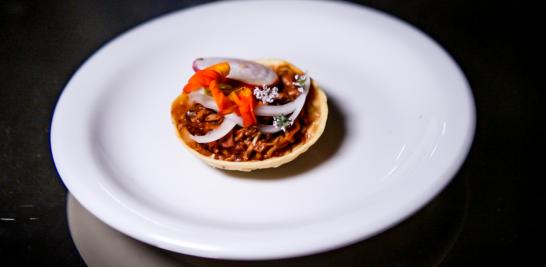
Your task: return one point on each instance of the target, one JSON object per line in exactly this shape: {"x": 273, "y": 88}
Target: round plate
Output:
{"x": 400, "y": 125}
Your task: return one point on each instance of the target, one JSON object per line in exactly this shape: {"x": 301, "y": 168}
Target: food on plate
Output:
{"x": 244, "y": 115}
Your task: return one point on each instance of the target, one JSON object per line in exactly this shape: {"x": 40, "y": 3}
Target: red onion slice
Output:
{"x": 242, "y": 70}
{"x": 215, "y": 134}
{"x": 200, "y": 97}
{"x": 235, "y": 118}
{"x": 264, "y": 128}
{"x": 272, "y": 110}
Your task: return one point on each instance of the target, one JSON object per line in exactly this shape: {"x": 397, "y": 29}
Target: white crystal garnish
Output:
{"x": 266, "y": 94}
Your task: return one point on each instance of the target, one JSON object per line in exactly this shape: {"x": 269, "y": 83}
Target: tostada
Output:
{"x": 244, "y": 115}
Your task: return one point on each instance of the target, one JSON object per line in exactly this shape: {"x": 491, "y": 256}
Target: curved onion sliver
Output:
{"x": 271, "y": 110}
{"x": 265, "y": 128}
{"x": 215, "y": 134}
{"x": 241, "y": 70}
{"x": 200, "y": 97}
{"x": 300, "y": 101}
{"x": 234, "y": 118}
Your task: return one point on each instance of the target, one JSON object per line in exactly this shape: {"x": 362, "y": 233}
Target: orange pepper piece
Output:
{"x": 245, "y": 103}
{"x": 222, "y": 101}
{"x": 204, "y": 77}
{"x": 210, "y": 78}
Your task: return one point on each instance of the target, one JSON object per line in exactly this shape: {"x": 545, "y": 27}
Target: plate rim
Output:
{"x": 447, "y": 176}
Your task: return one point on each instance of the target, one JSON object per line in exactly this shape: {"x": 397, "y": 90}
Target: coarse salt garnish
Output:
{"x": 266, "y": 94}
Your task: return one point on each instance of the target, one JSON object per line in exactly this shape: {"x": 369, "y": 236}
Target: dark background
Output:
{"x": 486, "y": 216}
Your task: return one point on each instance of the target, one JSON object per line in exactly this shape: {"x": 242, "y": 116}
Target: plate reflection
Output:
{"x": 424, "y": 239}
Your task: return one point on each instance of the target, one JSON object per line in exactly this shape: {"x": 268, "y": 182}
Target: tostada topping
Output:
{"x": 238, "y": 100}
{"x": 234, "y": 110}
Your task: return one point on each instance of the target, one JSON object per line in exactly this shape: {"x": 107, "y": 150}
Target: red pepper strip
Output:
{"x": 203, "y": 78}
{"x": 245, "y": 104}
{"x": 222, "y": 101}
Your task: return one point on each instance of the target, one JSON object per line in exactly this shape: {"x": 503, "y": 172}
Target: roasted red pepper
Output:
{"x": 225, "y": 106}
{"x": 244, "y": 99}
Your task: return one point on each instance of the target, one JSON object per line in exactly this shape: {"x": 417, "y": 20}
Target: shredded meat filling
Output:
{"x": 199, "y": 120}
{"x": 247, "y": 144}
{"x": 289, "y": 91}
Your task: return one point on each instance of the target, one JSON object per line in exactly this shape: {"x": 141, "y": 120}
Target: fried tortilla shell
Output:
{"x": 316, "y": 109}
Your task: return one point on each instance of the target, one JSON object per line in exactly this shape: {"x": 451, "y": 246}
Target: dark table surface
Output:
{"x": 484, "y": 217}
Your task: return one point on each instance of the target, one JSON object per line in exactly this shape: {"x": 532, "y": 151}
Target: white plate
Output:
{"x": 401, "y": 125}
